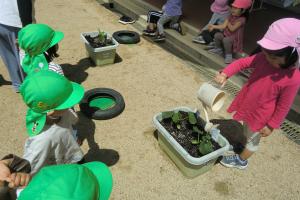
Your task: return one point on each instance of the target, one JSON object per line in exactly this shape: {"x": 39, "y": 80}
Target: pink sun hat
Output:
{"x": 244, "y": 4}
{"x": 282, "y": 33}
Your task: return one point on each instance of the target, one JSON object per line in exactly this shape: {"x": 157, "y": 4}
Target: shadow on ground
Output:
{"x": 3, "y": 81}
{"x": 77, "y": 73}
{"x": 86, "y": 131}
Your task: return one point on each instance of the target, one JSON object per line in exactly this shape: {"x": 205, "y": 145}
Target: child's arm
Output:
{"x": 235, "y": 26}
{"x": 239, "y": 65}
{"x": 38, "y": 152}
{"x": 283, "y": 105}
{"x": 211, "y": 27}
{"x": 234, "y": 68}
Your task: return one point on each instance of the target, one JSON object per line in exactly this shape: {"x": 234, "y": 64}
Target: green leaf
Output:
{"x": 195, "y": 141}
{"x": 176, "y": 117}
{"x": 206, "y": 138}
{"x": 192, "y": 118}
{"x": 196, "y": 129}
{"x": 167, "y": 114}
{"x": 206, "y": 148}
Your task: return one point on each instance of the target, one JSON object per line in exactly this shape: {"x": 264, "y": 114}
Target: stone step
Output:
{"x": 135, "y": 8}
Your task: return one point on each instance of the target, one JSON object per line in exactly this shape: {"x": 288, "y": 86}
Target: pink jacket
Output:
{"x": 267, "y": 96}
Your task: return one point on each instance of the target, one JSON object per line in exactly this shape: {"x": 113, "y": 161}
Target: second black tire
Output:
{"x": 126, "y": 37}
{"x": 96, "y": 113}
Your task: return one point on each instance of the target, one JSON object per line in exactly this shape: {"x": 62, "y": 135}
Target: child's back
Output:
{"x": 173, "y": 8}
{"x": 54, "y": 145}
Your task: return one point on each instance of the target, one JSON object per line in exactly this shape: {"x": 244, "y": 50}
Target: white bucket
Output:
{"x": 211, "y": 96}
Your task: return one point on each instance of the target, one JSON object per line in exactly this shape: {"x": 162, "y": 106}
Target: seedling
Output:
{"x": 102, "y": 36}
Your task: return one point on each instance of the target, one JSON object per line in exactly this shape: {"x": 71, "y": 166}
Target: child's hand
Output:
{"x": 221, "y": 78}
{"x": 19, "y": 180}
{"x": 4, "y": 172}
{"x": 210, "y": 27}
{"x": 266, "y": 131}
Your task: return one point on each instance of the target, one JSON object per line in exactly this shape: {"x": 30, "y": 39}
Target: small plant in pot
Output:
{"x": 187, "y": 129}
{"x": 99, "y": 40}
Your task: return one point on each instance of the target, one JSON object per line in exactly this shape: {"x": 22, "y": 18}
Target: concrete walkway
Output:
{"x": 151, "y": 80}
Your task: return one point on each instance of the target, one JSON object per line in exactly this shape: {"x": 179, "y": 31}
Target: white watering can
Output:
{"x": 211, "y": 97}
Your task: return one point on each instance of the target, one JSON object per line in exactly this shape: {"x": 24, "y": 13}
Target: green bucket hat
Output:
{"x": 90, "y": 181}
{"x": 35, "y": 39}
{"x": 45, "y": 91}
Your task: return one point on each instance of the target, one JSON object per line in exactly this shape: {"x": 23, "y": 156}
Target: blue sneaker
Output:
{"x": 234, "y": 161}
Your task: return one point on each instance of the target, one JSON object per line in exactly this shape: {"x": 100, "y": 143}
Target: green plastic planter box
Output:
{"x": 102, "y": 55}
{"x": 188, "y": 165}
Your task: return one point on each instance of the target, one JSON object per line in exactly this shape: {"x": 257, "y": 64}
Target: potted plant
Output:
{"x": 182, "y": 136}
{"x": 100, "y": 47}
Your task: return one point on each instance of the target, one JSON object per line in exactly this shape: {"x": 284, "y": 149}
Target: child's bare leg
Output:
{"x": 151, "y": 26}
{"x": 246, "y": 154}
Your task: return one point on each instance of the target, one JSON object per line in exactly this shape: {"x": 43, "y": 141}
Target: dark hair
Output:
{"x": 229, "y": 2}
{"x": 246, "y": 14}
{"x": 51, "y": 53}
{"x": 290, "y": 54}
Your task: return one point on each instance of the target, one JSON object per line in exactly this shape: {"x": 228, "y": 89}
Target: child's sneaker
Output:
{"x": 160, "y": 38}
{"x": 217, "y": 51}
{"x": 228, "y": 58}
{"x": 199, "y": 39}
{"x": 149, "y": 32}
{"x": 234, "y": 161}
{"x": 126, "y": 20}
{"x": 211, "y": 45}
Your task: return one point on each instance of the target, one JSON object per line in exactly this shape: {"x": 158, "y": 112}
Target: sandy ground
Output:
{"x": 151, "y": 80}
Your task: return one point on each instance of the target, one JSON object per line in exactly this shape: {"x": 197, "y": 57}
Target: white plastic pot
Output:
{"x": 102, "y": 55}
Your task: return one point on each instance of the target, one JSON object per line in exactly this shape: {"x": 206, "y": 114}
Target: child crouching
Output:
{"x": 49, "y": 119}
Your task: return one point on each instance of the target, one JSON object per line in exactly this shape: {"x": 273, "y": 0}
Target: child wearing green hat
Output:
{"x": 90, "y": 181}
{"x": 39, "y": 43}
{"x": 49, "y": 119}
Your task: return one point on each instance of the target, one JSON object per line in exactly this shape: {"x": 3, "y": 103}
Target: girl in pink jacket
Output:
{"x": 264, "y": 101}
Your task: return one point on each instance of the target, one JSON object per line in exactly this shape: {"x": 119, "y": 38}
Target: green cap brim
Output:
{"x": 35, "y": 122}
{"x": 58, "y": 36}
{"x": 74, "y": 98}
{"x": 104, "y": 178}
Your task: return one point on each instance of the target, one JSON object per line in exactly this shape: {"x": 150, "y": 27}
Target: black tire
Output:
{"x": 96, "y": 113}
{"x": 133, "y": 37}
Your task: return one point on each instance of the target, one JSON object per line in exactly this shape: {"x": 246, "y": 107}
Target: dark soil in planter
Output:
{"x": 185, "y": 135}
{"x": 96, "y": 43}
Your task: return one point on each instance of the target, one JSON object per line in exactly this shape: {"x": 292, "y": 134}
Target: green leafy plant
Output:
{"x": 203, "y": 140}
